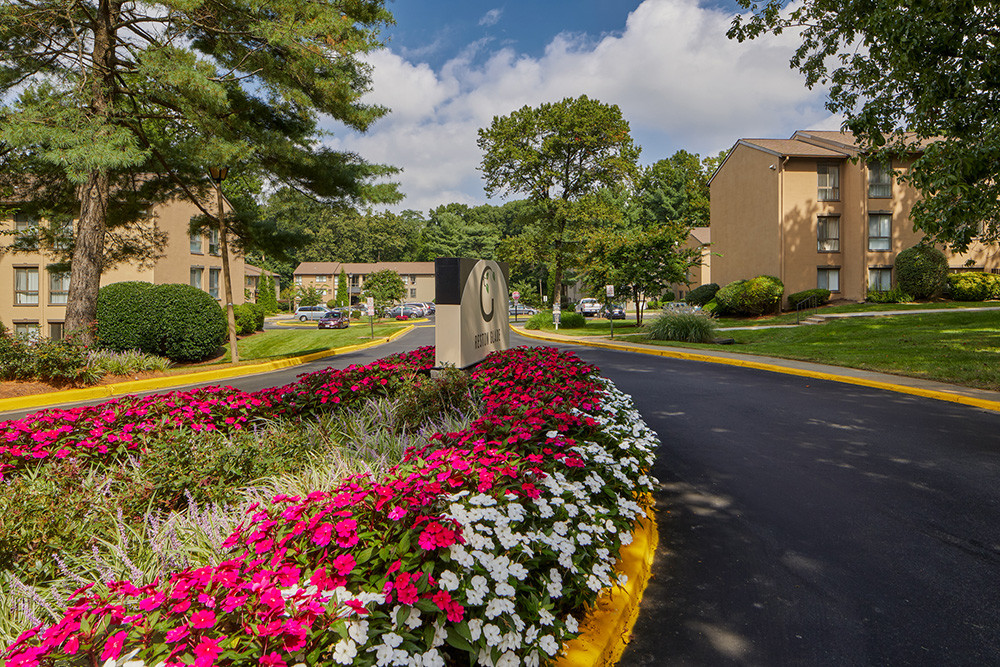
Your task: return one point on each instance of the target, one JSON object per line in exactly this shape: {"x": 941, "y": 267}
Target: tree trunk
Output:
{"x": 88, "y": 253}
{"x": 88, "y": 258}
{"x": 227, "y": 284}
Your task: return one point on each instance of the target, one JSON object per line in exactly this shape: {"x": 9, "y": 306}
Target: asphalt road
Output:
{"x": 803, "y": 522}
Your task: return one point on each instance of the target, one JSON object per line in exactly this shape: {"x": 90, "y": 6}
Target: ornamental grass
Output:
{"x": 483, "y": 544}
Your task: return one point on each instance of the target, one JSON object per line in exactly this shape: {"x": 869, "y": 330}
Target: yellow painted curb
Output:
{"x": 608, "y": 628}
{"x": 983, "y": 403}
{"x": 121, "y": 388}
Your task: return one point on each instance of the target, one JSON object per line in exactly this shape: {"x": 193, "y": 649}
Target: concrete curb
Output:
{"x": 983, "y": 403}
{"x": 107, "y": 391}
{"x": 607, "y": 629}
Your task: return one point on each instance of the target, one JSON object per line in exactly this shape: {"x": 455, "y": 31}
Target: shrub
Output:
{"x": 683, "y": 324}
{"x": 974, "y": 286}
{"x": 108, "y": 362}
{"x": 249, "y": 318}
{"x": 540, "y": 320}
{"x": 750, "y": 298}
{"x": 701, "y": 295}
{"x": 124, "y": 316}
{"x": 921, "y": 271}
{"x": 572, "y": 320}
{"x": 822, "y": 296}
{"x": 895, "y": 295}
{"x": 189, "y": 325}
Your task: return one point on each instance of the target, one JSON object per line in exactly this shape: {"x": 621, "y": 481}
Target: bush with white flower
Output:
{"x": 483, "y": 547}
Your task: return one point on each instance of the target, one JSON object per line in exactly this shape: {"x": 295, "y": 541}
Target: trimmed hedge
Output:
{"x": 249, "y": 318}
{"x": 750, "y": 298}
{"x": 122, "y": 316}
{"x": 974, "y": 286}
{"x": 699, "y": 296}
{"x": 822, "y": 297}
{"x": 179, "y": 322}
{"x": 921, "y": 271}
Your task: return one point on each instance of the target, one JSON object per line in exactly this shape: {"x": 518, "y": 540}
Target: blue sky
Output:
{"x": 450, "y": 66}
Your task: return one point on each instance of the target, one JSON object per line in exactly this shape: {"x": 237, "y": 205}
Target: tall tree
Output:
{"x": 556, "y": 154}
{"x": 678, "y": 187}
{"x": 114, "y": 106}
{"x": 914, "y": 81}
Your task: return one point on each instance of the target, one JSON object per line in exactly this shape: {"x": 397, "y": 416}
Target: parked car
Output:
{"x": 419, "y": 307}
{"x": 613, "y": 312}
{"x": 303, "y": 313}
{"x": 520, "y": 309}
{"x": 403, "y": 312}
{"x": 335, "y": 319}
{"x": 429, "y": 307}
{"x": 588, "y": 307}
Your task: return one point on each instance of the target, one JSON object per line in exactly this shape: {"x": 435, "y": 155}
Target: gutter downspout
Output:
{"x": 781, "y": 219}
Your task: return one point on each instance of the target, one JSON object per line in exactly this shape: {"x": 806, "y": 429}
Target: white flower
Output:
{"x": 413, "y": 620}
{"x": 518, "y": 571}
{"x": 475, "y": 628}
{"x": 432, "y": 659}
{"x": 511, "y": 641}
{"x": 498, "y": 606}
{"x": 583, "y": 538}
{"x": 530, "y": 634}
{"x": 571, "y": 623}
{"x": 508, "y": 659}
{"x": 448, "y": 580}
{"x": 391, "y": 639}
{"x": 492, "y": 634}
{"x": 545, "y": 617}
{"x": 549, "y": 645}
{"x": 358, "y": 631}
{"x": 440, "y": 635}
{"x": 505, "y": 590}
{"x": 344, "y": 652}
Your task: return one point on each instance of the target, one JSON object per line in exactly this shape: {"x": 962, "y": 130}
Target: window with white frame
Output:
{"x": 828, "y": 233}
{"x": 828, "y": 278}
{"x": 413, "y": 293}
{"x": 879, "y": 232}
{"x": 879, "y": 278}
{"x": 880, "y": 180}
{"x": 213, "y": 242}
{"x": 196, "y": 275}
{"x": 828, "y": 181}
{"x": 213, "y": 282}
{"x": 321, "y": 279}
{"x": 59, "y": 287}
{"x": 26, "y": 286}
{"x": 196, "y": 242}
{"x": 62, "y": 235}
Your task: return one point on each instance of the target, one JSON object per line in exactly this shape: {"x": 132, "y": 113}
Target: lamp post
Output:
{"x": 218, "y": 175}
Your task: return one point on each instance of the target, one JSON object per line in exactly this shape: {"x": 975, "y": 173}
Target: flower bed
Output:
{"x": 485, "y": 545}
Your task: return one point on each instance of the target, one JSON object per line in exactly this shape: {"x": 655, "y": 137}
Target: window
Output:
{"x": 880, "y": 232}
{"x": 213, "y": 282}
{"x": 56, "y": 330}
{"x": 58, "y": 288}
{"x": 879, "y": 279}
{"x": 26, "y": 329}
{"x": 213, "y": 242}
{"x": 828, "y": 234}
{"x": 196, "y": 274}
{"x": 62, "y": 235}
{"x": 26, "y": 287}
{"x": 828, "y": 182}
{"x": 26, "y": 231}
{"x": 828, "y": 278}
{"x": 413, "y": 293}
{"x": 196, "y": 243}
{"x": 321, "y": 279}
{"x": 298, "y": 280}
{"x": 354, "y": 281}
{"x": 413, "y": 280}
{"x": 879, "y": 180}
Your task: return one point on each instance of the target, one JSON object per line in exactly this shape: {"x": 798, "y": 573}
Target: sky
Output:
{"x": 450, "y": 66}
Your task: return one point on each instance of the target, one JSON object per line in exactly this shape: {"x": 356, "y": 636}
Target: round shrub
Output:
{"x": 189, "y": 326}
{"x": 822, "y": 296}
{"x": 750, "y": 298}
{"x": 701, "y": 295}
{"x": 974, "y": 286}
{"x": 123, "y": 315}
{"x": 921, "y": 271}
{"x": 687, "y": 325}
{"x": 249, "y": 318}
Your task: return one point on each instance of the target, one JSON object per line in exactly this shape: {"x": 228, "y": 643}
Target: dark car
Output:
{"x": 335, "y": 319}
{"x": 613, "y": 312}
{"x": 520, "y": 309}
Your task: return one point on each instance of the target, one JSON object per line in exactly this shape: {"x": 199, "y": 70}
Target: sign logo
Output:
{"x": 487, "y": 287}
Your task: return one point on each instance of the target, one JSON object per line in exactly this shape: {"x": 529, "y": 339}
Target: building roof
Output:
{"x": 334, "y": 268}
{"x": 792, "y": 148}
{"x": 251, "y": 270}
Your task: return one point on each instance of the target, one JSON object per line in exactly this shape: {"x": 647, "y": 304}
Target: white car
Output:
{"x": 588, "y": 307}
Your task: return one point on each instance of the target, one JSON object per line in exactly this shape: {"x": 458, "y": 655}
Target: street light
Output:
{"x": 218, "y": 175}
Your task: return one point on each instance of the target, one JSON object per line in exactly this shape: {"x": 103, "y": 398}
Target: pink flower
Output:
{"x": 272, "y": 660}
{"x": 343, "y": 564}
{"x": 203, "y": 619}
{"x": 321, "y": 535}
{"x": 113, "y": 647}
{"x": 177, "y": 634}
{"x": 207, "y": 650}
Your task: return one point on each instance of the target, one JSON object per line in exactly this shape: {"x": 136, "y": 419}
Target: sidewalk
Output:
{"x": 980, "y": 398}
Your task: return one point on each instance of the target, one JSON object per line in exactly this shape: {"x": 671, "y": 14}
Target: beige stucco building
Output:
{"x": 418, "y": 277}
{"x": 802, "y": 210}
{"x": 700, "y": 238}
{"x": 33, "y": 298}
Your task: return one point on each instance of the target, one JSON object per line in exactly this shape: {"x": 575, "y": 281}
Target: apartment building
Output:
{"x": 252, "y": 277}
{"x": 803, "y": 210}
{"x": 33, "y": 297}
{"x": 418, "y": 277}
{"x": 700, "y": 238}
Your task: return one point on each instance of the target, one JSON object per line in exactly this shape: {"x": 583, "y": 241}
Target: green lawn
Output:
{"x": 961, "y": 348}
{"x": 790, "y": 318}
{"x": 278, "y": 344}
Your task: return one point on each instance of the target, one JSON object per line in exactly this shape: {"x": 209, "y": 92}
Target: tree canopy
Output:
{"x": 556, "y": 154}
{"x": 112, "y": 107}
{"x": 914, "y": 81}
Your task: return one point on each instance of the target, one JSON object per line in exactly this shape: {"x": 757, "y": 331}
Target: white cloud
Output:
{"x": 677, "y": 78}
{"x": 491, "y": 17}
